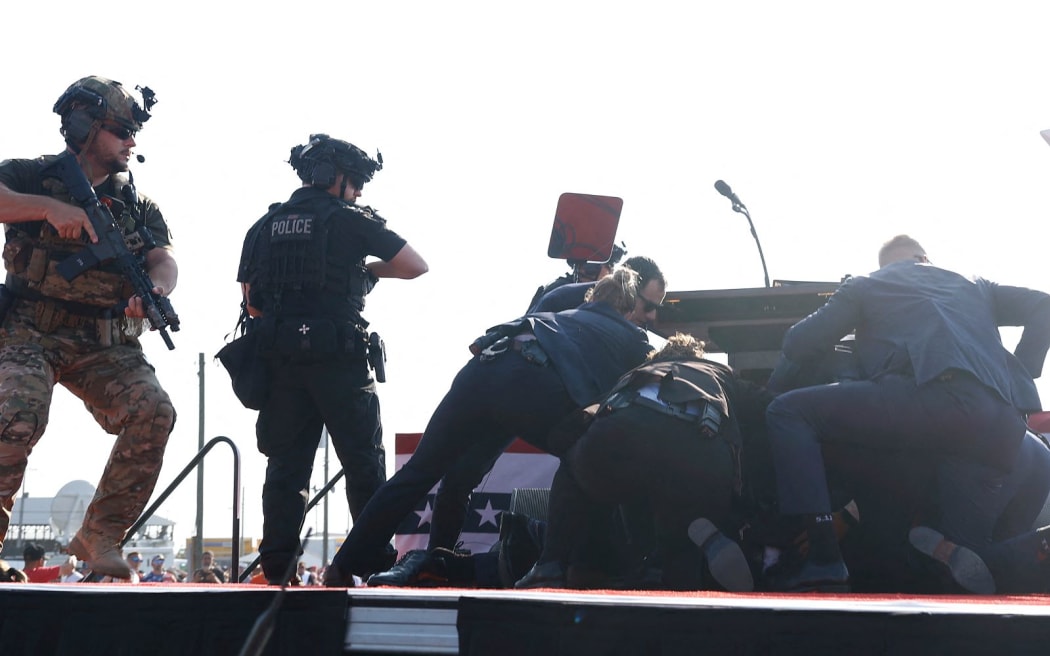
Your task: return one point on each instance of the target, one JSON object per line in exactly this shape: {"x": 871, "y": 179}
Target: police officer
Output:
{"x": 304, "y": 278}
{"x": 73, "y": 332}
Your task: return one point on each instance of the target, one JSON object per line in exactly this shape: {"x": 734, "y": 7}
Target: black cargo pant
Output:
{"x": 303, "y": 399}
{"x": 638, "y": 456}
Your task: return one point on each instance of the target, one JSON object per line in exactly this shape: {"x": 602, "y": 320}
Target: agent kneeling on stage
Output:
{"x": 668, "y": 434}
{"x": 933, "y": 378}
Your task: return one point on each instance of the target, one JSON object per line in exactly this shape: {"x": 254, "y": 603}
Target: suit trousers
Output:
{"x": 489, "y": 404}
{"x": 959, "y": 420}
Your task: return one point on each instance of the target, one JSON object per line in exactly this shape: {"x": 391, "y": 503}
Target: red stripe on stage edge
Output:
{"x": 407, "y": 443}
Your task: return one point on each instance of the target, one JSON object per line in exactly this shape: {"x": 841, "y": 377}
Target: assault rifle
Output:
{"x": 111, "y": 245}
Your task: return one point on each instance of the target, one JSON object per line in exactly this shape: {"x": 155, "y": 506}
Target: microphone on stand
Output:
{"x": 724, "y": 189}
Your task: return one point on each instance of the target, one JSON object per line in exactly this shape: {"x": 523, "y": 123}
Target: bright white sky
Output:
{"x": 838, "y": 124}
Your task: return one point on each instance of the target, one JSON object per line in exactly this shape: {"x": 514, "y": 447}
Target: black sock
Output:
{"x": 823, "y": 543}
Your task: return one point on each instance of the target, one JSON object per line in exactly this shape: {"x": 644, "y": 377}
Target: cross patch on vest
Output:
{"x": 293, "y": 227}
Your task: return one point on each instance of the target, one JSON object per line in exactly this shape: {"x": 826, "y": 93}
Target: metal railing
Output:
{"x": 236, "y": 527}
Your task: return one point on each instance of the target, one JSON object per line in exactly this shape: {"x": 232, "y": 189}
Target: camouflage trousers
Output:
{"x": 118, "y": 387}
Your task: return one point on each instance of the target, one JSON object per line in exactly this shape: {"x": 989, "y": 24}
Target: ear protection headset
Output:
{"x": 79, "y": 109}
{"x": 323, "y": 174}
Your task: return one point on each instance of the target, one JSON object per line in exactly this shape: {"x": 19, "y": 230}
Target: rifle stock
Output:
{"x": 110, "y": 246}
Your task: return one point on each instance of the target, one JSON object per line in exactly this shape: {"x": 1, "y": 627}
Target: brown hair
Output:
{"x": 618, "y": 289}
{"x": 679, "y": 346}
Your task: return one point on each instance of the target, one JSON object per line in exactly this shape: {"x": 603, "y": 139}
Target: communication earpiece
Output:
{"x": 77, "y": 125}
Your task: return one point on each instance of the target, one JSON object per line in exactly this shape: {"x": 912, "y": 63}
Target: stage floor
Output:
{"x": 115, "y": 619}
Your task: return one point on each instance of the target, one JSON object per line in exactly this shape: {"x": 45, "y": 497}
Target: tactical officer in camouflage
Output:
{"x": 84, "y": 333}
{"x": 304, "y": 278}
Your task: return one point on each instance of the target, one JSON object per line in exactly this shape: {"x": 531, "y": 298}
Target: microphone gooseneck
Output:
{"x": 724, "y": 189}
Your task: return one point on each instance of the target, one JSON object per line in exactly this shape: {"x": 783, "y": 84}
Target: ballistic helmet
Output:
{"x": 94, "y": 99}
{"x": 318, "y": 162}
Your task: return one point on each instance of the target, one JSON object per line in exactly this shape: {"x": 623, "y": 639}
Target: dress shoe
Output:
{"x": 966, "y": 568}
{"x": 102, "y": 557}
{"x": 518, "y": 548}
{"x": 421, "y": 568}
{"x": 543, "y": 575}
{"x": 725, "y": 559}
{"x": 335, "y": 577}
{"x": 812, "y": 577}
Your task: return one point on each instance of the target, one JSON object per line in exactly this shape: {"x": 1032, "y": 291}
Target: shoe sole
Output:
{"x": 966, "y": 567}
{"x": 725, "y": 559}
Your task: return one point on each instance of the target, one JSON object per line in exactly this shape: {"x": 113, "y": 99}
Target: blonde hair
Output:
{"x": 618, "y": 289}
{"x": 679, "y": 346}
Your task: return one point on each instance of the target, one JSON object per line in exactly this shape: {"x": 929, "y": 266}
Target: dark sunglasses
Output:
{"x": 648, "y": 305}
{"x": 119, "y": 131}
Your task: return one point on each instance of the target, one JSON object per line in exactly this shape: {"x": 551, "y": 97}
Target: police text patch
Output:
{"x": 292, "y": 227}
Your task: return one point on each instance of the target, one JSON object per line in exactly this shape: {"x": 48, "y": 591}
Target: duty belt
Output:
{"x": 529, "y": 349}
{"x": 708, "y": 421}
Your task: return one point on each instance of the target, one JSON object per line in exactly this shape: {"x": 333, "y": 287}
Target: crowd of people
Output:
{"x": 69, "y": 569}
{"x": 888, "y": 446}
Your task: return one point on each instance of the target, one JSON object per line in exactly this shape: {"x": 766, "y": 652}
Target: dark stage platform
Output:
{"x": 116, "y": 619}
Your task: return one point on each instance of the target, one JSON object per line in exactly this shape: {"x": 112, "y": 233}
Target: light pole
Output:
{"x": 324, "y": 536}
{"x": 22, "y": 507}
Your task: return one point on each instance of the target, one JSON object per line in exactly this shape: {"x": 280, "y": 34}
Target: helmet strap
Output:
{"x": 81, "y": 159}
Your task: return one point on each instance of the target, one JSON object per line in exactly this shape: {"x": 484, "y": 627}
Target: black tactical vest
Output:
{"x": 298, "y": 267}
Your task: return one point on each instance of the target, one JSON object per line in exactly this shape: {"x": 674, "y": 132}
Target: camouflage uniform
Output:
{"x": 66, "y": 332}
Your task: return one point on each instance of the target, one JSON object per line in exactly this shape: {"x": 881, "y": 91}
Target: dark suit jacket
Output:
{"x": 565, "y": 297}
{"x": 919, "y": 320}
{"x": 590, "y": 347}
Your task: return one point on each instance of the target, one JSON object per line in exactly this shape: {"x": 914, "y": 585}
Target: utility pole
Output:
{"x": 324, "y": 544}
{"x": 198, "y": 544}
